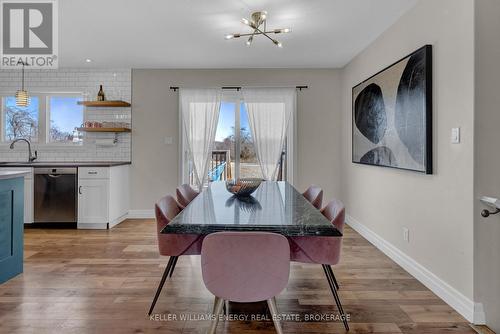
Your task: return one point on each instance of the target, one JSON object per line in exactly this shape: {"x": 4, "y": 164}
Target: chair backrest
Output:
{"x": 334, "y": 211}
{"x": 170, "y": 244}
{"x": 245, "y": 266}
{"x": 314, "y": 195}
{"x": 185, "y": 194}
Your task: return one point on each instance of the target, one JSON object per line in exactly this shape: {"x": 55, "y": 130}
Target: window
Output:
{"x": 49, "y": 118}
{"x": 20, "y": 122}
{"x": 65, "y": 115}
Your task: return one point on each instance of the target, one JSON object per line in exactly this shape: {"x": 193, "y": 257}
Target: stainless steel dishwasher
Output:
{"x": 55, "y": 199}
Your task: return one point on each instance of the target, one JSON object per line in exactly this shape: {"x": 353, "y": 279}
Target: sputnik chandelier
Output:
{"x": 259, "y": 26}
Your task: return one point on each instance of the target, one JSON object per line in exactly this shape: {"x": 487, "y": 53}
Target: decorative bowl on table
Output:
{"x": 243, "y": 187}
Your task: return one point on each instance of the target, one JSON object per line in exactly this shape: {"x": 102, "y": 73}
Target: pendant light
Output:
{"x": 22, "y": 97}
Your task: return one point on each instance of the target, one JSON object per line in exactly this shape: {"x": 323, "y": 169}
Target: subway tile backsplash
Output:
{"x": 117, "y": 86}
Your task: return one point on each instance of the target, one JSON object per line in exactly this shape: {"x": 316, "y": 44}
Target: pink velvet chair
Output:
{"x": 173, "y": 245}
{"x": 314, "y": 195}
{"x": 185, "y": 194}
{"x": 323, "y": 250}
{"x": 245, "y": 267}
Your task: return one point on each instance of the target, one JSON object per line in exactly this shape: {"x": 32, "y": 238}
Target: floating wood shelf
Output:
{"x": 107, "y": 104}
{"x": 104, "y": 129}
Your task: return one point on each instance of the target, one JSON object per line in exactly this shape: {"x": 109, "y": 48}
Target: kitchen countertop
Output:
{"x": 11, "y": 175}
{"x": 65, "y": 164}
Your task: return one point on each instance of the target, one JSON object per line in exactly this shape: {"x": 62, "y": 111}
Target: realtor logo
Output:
{"x": 28, "y": 33}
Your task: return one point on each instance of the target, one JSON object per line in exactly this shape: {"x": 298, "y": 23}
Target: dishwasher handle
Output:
{"x": 54, "y": 176}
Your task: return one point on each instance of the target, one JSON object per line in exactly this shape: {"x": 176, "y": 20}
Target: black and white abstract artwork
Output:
{"x": 392, "y": 115}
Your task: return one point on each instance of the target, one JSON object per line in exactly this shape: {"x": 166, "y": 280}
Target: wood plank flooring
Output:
{"x": 84, "y": 281}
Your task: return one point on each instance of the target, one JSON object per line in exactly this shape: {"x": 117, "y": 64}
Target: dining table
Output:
{"x": 275, "y": 206}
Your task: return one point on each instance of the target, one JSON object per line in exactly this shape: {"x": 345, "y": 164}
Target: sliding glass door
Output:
{"x": 233, "y": 154}
{"x": 234, "y": 138}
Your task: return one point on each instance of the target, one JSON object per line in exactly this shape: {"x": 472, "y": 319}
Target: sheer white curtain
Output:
{"x": 200, "y": 114}
{"x": 269, "y": 113}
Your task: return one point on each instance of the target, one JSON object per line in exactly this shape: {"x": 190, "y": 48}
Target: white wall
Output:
{"x": 116, "y": 84}
{"x": 487, "y": 159}
{"x": 437, "y": 209}
{"x": 155, "y": 165}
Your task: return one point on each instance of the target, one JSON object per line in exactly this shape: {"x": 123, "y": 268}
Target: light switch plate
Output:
{"x": 455, "y": 135}
{"x": 168, "y": 140}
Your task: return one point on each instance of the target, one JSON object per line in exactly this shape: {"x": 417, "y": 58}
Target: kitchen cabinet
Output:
{"x": 103, "y": 196}
{"x": 11, "y": 224}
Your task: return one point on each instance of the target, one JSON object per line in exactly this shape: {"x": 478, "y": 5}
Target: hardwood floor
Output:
{"x": 84, "y": 281}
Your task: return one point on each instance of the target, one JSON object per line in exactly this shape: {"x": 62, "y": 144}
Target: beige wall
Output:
{"x": 437, "y": 209}
{"x": 155, "y": 116}
{"x": 487, "y": 159}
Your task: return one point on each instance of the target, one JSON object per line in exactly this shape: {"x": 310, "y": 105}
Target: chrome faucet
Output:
{"x": 31, "y": 157}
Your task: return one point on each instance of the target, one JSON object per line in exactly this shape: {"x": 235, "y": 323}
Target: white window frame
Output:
{"x": 237, "y": 98}
{"x": 43, "y": 117}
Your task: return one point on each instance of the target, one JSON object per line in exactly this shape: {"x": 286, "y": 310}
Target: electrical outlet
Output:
{"x": 406, "y": 234}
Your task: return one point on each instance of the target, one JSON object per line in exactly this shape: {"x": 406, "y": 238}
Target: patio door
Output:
{"x": 234, "y": 139}
{"x": 233, "y": 154}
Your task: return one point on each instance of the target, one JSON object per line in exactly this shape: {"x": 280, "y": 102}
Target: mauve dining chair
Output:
{"x": 323, "y": 250}
{"x": 185, "y": 194}
{"x": 173, "y": 245}
{"x": 314, "y": 195}
{"x": 245, "y": 267}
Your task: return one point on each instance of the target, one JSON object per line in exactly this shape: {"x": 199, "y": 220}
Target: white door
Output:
{"x": 92, "y": 201}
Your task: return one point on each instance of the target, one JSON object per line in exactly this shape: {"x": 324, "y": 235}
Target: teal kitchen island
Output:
{"x": 11, "y": 224}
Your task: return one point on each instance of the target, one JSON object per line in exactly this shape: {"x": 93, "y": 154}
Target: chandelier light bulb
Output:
{"x": 230, "y": 36}
{"x": 245, "y": 21}
{"x": 249, "y": 41}
{"x": 286, "y": 30}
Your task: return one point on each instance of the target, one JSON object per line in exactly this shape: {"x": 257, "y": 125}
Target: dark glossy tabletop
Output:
{"x": 274, "y": 207}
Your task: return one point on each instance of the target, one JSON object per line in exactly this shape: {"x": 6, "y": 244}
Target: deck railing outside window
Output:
{"x": 221, "y": 167}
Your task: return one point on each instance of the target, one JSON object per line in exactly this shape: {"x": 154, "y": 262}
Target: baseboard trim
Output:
{"x": 141, "y": 214}
{"x": 479, "y": 315}
{"x": 463, "y": 305}
{"x": 118, "y": 220}
{"x": 92, "y": 226}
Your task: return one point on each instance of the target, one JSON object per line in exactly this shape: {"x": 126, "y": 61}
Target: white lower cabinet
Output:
{"x": 103, "y": 196}
{"x": 93, "y": 203}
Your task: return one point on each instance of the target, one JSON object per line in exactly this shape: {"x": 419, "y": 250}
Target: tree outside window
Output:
{"x": 21, "y": 122}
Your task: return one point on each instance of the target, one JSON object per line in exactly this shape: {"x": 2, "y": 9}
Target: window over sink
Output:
{"x": 50, "y": 118}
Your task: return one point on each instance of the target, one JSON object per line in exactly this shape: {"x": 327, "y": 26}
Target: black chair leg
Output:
{"x": 334, "y": 279}
{"x": 162, "y": 282}
{"x": 329, "y": 272}
{"x": 173, "y": 266}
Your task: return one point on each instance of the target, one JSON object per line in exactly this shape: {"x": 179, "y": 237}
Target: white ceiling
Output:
{"x": 190, "y": 33}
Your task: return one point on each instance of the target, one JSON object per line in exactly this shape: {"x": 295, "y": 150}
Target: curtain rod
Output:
{"x": 175, "y": 88}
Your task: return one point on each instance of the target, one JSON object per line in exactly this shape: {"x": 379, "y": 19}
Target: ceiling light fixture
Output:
{"x": 258, "y": 23}
{"x": 88, "y": 60}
